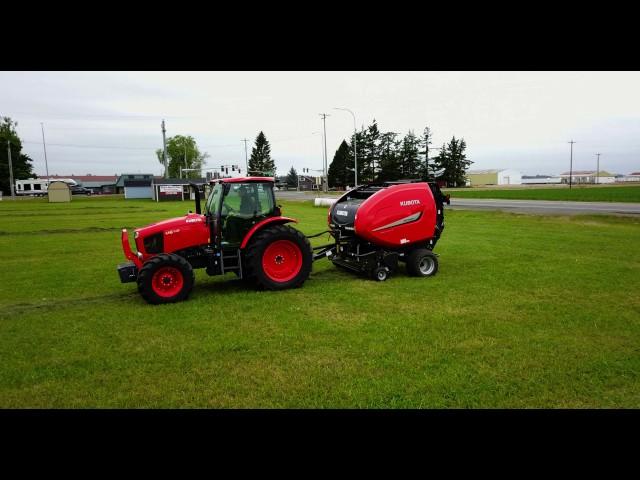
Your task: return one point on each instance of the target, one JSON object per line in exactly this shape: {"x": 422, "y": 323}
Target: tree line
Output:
{"x": 22, "y": 164}
{"x": 387, "y": 156}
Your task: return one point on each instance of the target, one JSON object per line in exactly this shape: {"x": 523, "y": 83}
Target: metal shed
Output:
{"x": 58, "y": 192}
{"x": 137, "y": 189}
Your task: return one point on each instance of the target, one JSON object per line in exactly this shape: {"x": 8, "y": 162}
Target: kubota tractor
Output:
{"x": 242, "y": 231}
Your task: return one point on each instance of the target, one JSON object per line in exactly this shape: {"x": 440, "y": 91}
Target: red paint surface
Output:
{"x": 178, "y": 233}
{"x": 266, "y": 221}
{"x": 167, "y": 282}
{"x": 282, "y": 261}
{"x": 384, "y": 207}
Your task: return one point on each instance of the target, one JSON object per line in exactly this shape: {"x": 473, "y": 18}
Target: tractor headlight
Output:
{"x": 139, "y": 255}
{"x": 135, "y": 235}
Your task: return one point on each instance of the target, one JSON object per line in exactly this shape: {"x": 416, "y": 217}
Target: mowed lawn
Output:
{"x": 577, "y": 193}
{"x": 526, "y": 311}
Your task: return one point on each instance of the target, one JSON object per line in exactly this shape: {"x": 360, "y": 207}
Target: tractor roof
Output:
{"x": 244, "y": 180}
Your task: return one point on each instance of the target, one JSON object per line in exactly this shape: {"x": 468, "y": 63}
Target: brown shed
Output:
{"x": 59, "y": 192}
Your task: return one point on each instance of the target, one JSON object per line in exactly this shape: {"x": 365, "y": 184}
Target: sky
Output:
{"x": 107, "y": 123}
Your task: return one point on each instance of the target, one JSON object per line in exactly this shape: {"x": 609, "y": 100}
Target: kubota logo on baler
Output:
{"x": 407, "y": 203}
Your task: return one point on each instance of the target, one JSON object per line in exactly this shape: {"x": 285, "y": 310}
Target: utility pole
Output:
{"x": 186, "y": 165}
{"x": 46, "y": 164}
{"x": 598, "y": 169}
{"x": 324, "y": 123}
{"x": 246, "y": 159}
{"x": 13, "y": 193}
{"x": 571, "y": 166}
{"x": 164, "y": 146}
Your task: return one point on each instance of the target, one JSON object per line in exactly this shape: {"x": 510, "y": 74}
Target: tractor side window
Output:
{"x": 265, "y": 199}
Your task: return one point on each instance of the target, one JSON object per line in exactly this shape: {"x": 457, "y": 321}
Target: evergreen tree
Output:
{"x": 455, "y": 162}
{"x": 340, "y": 174}
{"x": 292, "y": 178}
{"x": 371, "y": 153}
{"x": 426, "y": 169}
{"x": 409, "y": 156}
{"x": 260, "y": 162}
{"x": 390, "y": 167}
{"x": 182, "y": 152}
{"x": 22, "y": 164}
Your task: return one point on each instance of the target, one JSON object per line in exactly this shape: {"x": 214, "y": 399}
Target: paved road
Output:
{"x": 546, "y": 207}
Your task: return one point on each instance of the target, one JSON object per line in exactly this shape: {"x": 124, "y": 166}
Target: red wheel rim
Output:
{"x": 282, "y": 260}
{"x": 167, "y": 282}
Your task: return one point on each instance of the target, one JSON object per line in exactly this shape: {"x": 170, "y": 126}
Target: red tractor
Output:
{"x": 242, "y": 231}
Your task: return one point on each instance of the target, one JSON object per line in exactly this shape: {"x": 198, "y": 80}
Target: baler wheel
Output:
{"x": 279, "y": 257}
{"x": 422, "y": 262}
{"x": 165, "y": 278}
{"x": 380, "y": 274}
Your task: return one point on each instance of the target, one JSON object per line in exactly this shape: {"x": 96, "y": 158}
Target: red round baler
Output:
{"x": 376, "y": 226}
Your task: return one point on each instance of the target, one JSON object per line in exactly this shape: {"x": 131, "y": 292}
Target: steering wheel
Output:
{"x": 228, "y": 208}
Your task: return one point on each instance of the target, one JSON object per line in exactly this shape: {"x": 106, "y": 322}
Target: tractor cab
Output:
{"x": 236, "y": 205}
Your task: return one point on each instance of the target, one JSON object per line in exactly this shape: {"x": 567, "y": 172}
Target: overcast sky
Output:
{"x": 109, "y": 122}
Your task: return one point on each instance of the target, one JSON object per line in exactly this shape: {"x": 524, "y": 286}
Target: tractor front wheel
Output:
{"x": 279, "y": 257}
{"x": 165, "y": 278}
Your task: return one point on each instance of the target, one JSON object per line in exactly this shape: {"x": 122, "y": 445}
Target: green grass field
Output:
{"x": 526, "y": 311}
{"x": 578, "y": 194}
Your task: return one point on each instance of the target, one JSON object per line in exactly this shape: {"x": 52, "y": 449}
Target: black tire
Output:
{"x": 380, "y": 274}
{"x": 255, "y": 251}
{"x": 422, "y": 262}
{"x": 160, "y": 262}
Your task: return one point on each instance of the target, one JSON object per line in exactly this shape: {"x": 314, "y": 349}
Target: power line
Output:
{"x": 72, "y": 145}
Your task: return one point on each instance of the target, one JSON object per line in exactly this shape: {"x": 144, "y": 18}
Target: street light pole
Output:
{"x": 571, "y": 166}
{"x": 246, "y": 159}
{"x": 44, "y": 145}
{"x": 355, "y": 144}
{"x": 598, "y": 169}
{"x": 324, "y": 123}
{"x": 164, "y": 151}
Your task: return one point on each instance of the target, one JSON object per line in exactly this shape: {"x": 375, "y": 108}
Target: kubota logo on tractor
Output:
{"x": 408, "y": 203}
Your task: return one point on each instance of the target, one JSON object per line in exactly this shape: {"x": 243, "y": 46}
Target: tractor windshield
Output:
{"x": 248, "y": 200}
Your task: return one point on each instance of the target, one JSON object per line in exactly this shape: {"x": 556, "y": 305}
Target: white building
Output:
{"x": 505, "y": 176}
{"x": 588, "y": 176}
{"x": 541, "y": 180}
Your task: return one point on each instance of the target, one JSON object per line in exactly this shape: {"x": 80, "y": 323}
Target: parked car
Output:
{"x": 75, "y": 190}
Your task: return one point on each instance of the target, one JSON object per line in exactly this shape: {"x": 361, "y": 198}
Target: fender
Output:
{"x": 263, "y": 223}
{"x": 127, "y": 249}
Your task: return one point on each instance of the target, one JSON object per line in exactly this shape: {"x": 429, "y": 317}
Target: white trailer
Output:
{"x": 38, "y": 186}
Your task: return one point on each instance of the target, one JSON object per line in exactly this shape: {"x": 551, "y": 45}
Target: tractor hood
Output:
{"x": 170, "y": 224}
{"x": 172, "y": 235}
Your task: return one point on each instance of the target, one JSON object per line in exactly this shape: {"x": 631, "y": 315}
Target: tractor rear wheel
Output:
{"x": 422, "y": 262}
{"x": 165, "y": 278}
{"x": 278, "y": 257}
